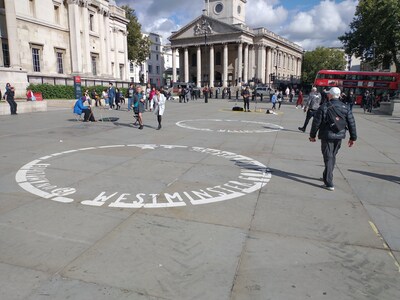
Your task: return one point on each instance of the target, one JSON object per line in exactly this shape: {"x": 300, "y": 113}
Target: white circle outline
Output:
{"x": 253, "y": 176}
{"x": 183, "y": 125}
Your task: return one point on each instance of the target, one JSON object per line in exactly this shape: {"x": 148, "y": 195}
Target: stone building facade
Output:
{"x": 218, "y": 49}
{"x": 61, "y": 39}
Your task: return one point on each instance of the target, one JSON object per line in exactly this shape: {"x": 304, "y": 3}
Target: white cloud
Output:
{"x": 310, "y": 27}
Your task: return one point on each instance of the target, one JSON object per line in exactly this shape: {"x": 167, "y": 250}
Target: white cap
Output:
{"x": 335, "y": 92}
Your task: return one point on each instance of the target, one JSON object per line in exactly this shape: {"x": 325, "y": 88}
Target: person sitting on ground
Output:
{"x": 80, "y": 108}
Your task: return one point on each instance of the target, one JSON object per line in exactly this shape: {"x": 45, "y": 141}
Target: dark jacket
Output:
{"x": 9, "y": 95}
{"x": 324, "y": 132}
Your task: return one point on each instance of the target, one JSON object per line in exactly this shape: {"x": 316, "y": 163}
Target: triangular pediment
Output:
{"x": 202, "y": 26}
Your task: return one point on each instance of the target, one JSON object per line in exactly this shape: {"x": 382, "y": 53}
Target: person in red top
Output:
{"x": 151, "y": 95}
{"x": 300, "y": 99}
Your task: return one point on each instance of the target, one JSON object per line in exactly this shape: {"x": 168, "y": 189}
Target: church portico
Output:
{"x": 220, "y": 50}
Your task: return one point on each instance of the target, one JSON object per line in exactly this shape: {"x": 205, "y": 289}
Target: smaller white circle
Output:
{"x": 267, "y": 127}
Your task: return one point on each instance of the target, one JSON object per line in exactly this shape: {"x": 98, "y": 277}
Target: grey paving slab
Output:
{"x": 42, "y": 236}
{"x": 18, "y": 283}
{"x": 59, "y": 288}
{"x": 315, "y": 218}
{"x": 249, "y": 247}
{"x": 387, "y": 219}
{"x": 278, "y": 267}
{"x": 164, "y": 257}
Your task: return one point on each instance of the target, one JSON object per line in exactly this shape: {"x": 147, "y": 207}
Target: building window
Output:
{"x": 91, "y": 22}
{"x": 60, "y": 64}
{"x": 121, "y": 71}
{"x": 149, "y": 55}
{"x": 131, "y": 68}
{"x": 36, "y": 59}
{"x": 56, "y": 14}
{"x": 94, "y": 64}
{"x": 112, "y": 69}
{"x": 158, "y": 69}
{"x": 6, "y": 53}
{"x": 284, "y": 61}
{"x": 157, "y": 57}
{"x": 150, "y": 67}
{"x": 156, "y": 48}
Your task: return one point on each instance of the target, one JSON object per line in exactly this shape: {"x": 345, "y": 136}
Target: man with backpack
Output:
{"x": 331, "y": 121}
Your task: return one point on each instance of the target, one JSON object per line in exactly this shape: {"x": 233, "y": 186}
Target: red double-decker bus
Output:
{"x": 379, "y": 83}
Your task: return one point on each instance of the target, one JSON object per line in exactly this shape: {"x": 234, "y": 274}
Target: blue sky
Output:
{"x": 309, "y": 23}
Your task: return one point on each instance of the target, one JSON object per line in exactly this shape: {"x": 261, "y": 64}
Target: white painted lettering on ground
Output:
{"x": 252, "y": 177}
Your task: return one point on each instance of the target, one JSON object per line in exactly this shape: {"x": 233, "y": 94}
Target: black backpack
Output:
{"x": 335, "y": 119}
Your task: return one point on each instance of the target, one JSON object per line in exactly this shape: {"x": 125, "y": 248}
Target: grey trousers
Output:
{"x": 329, "y": 149}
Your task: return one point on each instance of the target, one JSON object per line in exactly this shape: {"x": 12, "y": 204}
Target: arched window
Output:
{"x": 284, "y": 61}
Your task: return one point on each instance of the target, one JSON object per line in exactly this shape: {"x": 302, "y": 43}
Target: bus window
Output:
{"x": 351, "y": 77}
{"x": 386, "y": 78}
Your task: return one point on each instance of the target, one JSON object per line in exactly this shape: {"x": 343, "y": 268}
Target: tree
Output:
{"x": 321, "y": 59}
{"x": 374, "y": 33}
{"x": 138, "y": 45}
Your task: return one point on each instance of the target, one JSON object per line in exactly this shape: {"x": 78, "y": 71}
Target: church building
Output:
{"x": 219, "y": 49}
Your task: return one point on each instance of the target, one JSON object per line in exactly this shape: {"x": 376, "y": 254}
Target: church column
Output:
{"x": 198, "y": 56}
{"x": 261, "y": 63}
{"x": 11, "y": 24}
{"x": 225, "y": 67}
{"x": 212, "y": 66}
{"x": 86, "y": 63}
{"x": 240, "y": 62}
{"x": 246, "y": 64}
{"x": 174, "y": 65}
{"x": 186, "y": 64}
{"x": 251, "y": 62}
{"x": 269, "y": 65}
{"x": 75, "y": 36}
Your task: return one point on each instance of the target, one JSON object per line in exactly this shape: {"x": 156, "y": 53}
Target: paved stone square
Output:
{"x": 216, "y": 205}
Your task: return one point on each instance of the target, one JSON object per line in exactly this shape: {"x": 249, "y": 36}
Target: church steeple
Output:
{"x": 228, "y": 11}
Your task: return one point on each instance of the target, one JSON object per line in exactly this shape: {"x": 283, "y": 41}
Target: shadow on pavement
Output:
{"x": 390, "y": 178}
{"x": 297, "y": 177}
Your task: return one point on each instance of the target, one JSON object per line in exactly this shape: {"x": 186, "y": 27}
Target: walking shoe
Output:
{"x": 301, "y": 129}
{"x": 329, "y": 188}
{"x": 141, "y": 127}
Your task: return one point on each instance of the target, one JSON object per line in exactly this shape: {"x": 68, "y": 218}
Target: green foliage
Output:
{"x": 53, "y": 91}
{"x": 64, "y": 91}
{"x": 138, "y": 45}
{"x": 375, "y": 32}
{"x": 321, "y": 59}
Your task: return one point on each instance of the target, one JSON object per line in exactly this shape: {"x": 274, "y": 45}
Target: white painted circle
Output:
{"x": 253, "y": 176}
{"x": 267, "y": 127}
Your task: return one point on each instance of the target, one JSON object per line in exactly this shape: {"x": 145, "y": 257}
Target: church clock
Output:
{"x": 228, "y": 11}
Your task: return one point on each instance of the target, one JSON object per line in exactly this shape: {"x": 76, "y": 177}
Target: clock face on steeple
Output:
{"x": 228, "y": 11}
{"x": 218, "y": 8}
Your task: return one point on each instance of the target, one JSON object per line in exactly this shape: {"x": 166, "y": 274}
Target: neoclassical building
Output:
{"x": 49, "y": 40}
{"x": 217, "y": 48}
